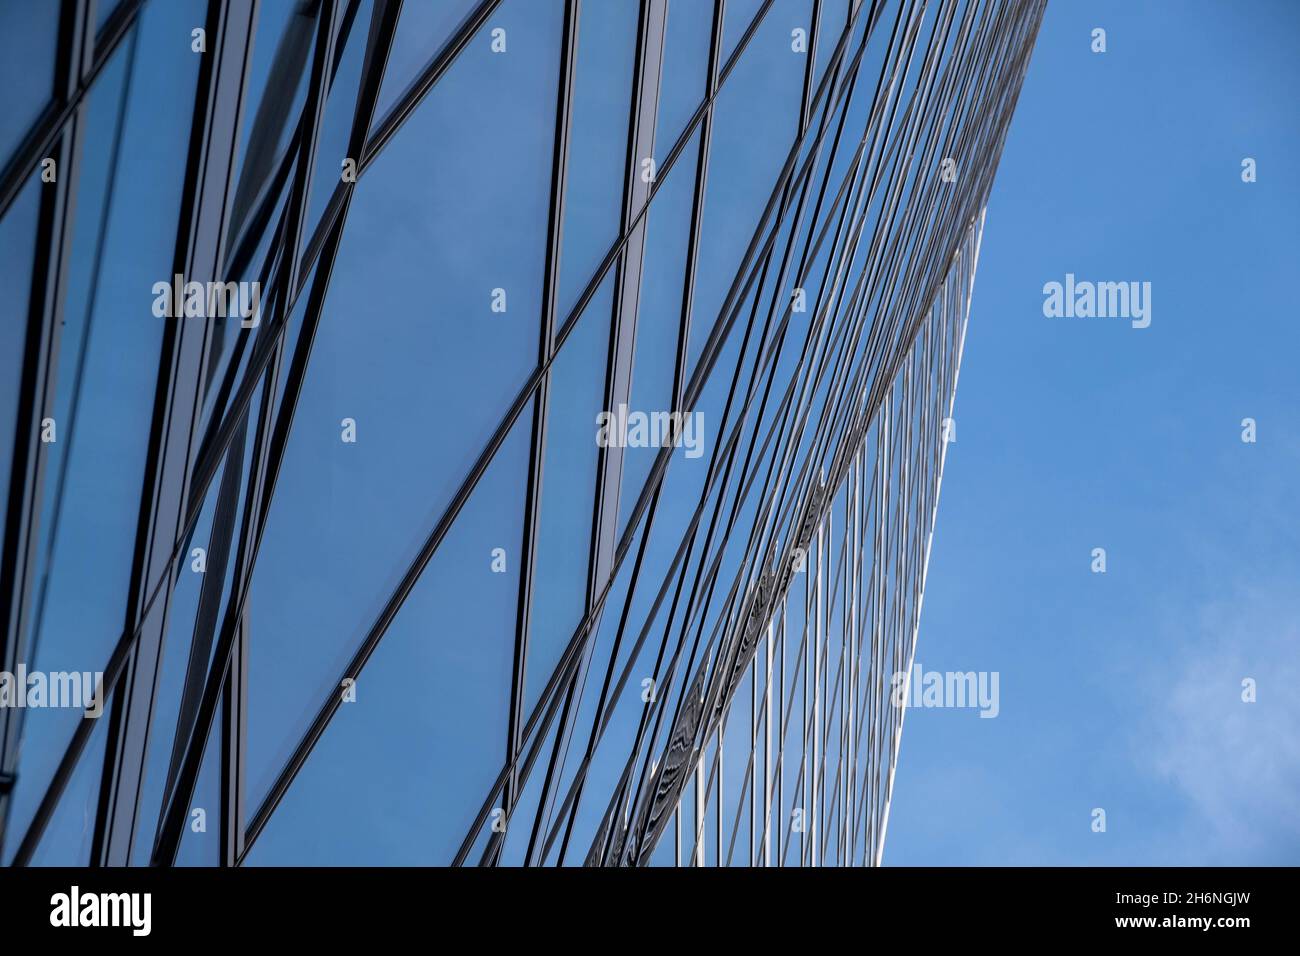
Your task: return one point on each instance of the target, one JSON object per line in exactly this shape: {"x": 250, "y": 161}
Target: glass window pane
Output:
{"x": 103, "y": 10}
{"x": 409, "y": 762}
{"x": 597, "y": 170}
{"x": 170, "y": 682}
{"x": 17, "y": 253}
{"x": 755, "y": 120}
{"x": 659, "y": 318}
{"x": 275, "y": 92}
{"x": 204, "y": 589}
{"x": 423, "y": 30}
{"x": 684, "y": 79}
{"x": 739, "y": 15}
{"x": 71, "y": 829}
{"x": 832, "y": 18}
{"x": 587, "y": 697}
{"x": 577, "y": 394}
{"x": 201, "y": 838}
{"x": 29, "y": 34}
{"x": 410, "y": 350}
{"x": 106, "y": 390}
{"x": 336, "y": 125}
{"x": 519, "y": 828}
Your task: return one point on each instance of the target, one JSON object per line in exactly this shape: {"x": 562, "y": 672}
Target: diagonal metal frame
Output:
{"x": 52, "y": 241}
{"x": 156, "y": 559}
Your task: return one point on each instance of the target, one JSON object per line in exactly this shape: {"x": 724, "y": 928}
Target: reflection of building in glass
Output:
{"x": 362, "y": 582}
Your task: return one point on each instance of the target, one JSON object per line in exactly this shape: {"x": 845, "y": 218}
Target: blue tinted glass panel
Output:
{"x": 756, "y": 118}
{"x": 103, "y": 10}
{"x": 17, "y": 251}
{"x": 92, "y": 499}
{"x": 577, "y": 394}
{"x": 832, "y": 19}
{"x": 29, "y": 35}
{"x": 423, "y": 30}
{"x": 602, "y": 96}
{"x": 201, "y": 839}
{"x": 232, "y": 345}
{"x": 175, "y": 659}
{"x": 739, "y": 15}
{"x": 587, "y": 693}
{"x": 71, "y": 829}
{"x": 519, "y": 828}
{"x": 336, "y": 127}
{"x": 684, "y": 79}
{"x": 659, "y": 318}
{"x": 411, "y": 351}
{"x": 274, "y": 97}
{"x": 401, "y": 771}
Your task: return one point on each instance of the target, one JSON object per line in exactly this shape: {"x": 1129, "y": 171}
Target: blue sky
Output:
{"x": 1123, "y": 690}
{"x": 1119, "y": 691}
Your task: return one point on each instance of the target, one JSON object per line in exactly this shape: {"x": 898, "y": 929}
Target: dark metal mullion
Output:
{"x": 697, "y": 115}
{"x": 636, "y": 195}
{"x": 806, "y": 181}
{"x": 309, "y": 127}
{"x": 537, "y": 453}
{"x": 702, "y": 112}
{"x": 209, "y": 606}
{"x": 703, "y": 115}
{"x": 680, "y": 371}
{"x": 523, "y": 397}
{"x": 119, "y": 661}
{"x": 688, "y": 287}
{"x": 171, "y": 820}
{"x": 234, "y": 688}
{"x": 233, "y": 740}
{"x": 600, "y": 849}
{"x": 44, "y": 136}
{"x": 222, "y": 437}
{"x": 810, "y": 68}
{"x": 730, "y": 457}
{"x": 712, "y": 347}
{"x": 383, "y": 26}
{"x": 584, "y": 628}
{"x": 52, "y": 242}
{"x": 379, "y": 42}
{"x": 572, "y": 799}
{"x": 715, "y": 561}
{"x": 425, "y": 81}
{"x": 622, "y": 341}
{"x": 640, "y": 143}
{"x": 751, "y": 386}
{"x": 203, "y": 224}
{"x": 365, "y": 147}
{"x": 278, "y": 440}
{"x": 729, "y": 452}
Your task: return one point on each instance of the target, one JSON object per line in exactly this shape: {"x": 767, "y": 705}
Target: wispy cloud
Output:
{"x": 1237, "y": 763}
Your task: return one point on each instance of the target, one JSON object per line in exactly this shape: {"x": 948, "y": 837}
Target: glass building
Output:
{"x": 477, "y": 432}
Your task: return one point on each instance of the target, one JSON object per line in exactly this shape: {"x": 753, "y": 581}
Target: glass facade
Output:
{"x": 477, "y": 432}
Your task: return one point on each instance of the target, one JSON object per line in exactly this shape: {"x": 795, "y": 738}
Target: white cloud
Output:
{"x": 1237, "y": 763}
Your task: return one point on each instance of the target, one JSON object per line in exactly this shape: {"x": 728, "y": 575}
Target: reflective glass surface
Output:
{"x": 28, "y": 34}
{"x": 407, "y": 505}
{"x": 106, "y": 390}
